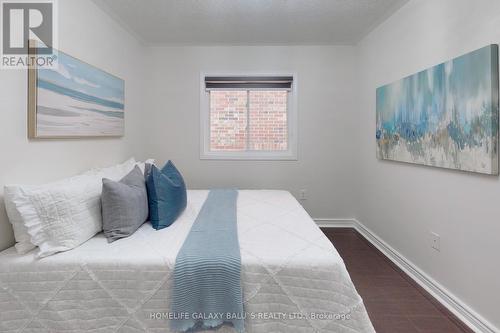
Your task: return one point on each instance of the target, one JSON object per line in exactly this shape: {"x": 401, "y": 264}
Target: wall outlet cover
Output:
{"x": 435, "y": 241}
{"x": 303, "y": 194}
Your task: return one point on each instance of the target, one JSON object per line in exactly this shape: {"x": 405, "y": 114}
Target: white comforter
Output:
{"x": 291, "y": 276}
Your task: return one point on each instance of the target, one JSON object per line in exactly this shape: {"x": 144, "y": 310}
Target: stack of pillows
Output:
{"x": 117, "y": 200}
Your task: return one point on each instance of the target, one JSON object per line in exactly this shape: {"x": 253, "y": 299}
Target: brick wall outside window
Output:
{"x": 268, "y": 124}
{"x": 267, "y": 130}
{"x": 228, "y": 120}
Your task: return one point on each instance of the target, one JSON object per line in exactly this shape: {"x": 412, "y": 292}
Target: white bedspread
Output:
{"x": 291, "y": 275}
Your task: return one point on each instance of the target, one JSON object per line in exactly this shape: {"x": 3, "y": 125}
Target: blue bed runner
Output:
{"x": 207, "y": 276}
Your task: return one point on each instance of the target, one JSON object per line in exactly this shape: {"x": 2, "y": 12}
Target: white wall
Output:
{"x": 88, "y": 34}
{"x": 402, "y": 203}
{"x": 326, "y": 100}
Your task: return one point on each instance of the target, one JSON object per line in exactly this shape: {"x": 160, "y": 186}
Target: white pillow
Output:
{"x": 63, "y": 215}
{"x": 14, "y": 198}
{"x": 115, "y": 172}
{"x": 59, "y": 216}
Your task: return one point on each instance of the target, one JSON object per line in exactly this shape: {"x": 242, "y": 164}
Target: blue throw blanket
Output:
{"x": 207, "y": 276}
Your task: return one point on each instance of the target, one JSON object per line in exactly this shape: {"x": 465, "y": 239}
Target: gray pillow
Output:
{"x": 124, "y": 205}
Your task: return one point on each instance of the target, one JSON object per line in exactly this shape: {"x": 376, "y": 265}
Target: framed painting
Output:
{"x": 74, "y": 100}
{"x": 445, "y": 116}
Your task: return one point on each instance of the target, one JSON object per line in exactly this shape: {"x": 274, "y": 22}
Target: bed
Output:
{"x": 293, "y": 278}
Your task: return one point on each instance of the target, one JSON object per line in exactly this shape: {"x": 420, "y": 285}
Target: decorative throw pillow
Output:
{"x": 147, "y": 170}
{"x": 144, "y": 165}
{"x": 124, "y": 205}
{"x": 166, "y": 194}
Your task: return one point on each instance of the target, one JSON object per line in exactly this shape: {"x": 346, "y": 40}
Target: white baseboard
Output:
{"x": 336, "y": 223}
{"x": 472, "y": 319}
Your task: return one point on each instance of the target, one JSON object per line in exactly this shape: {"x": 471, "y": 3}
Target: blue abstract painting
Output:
{"x": 445, "y": 116}
{"x": 78, "y": 100}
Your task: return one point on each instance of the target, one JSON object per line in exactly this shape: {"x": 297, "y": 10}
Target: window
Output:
{"x": 248, "y": 117}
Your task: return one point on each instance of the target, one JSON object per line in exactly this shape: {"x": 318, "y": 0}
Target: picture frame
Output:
{"x": 445, "y": 116}
{"x": 74, "y": 100}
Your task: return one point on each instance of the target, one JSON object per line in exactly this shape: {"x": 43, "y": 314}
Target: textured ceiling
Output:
{"x": 248, "y": 22}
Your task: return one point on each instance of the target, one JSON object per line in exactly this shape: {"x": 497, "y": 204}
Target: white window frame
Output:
{"x": 292, "y": 125}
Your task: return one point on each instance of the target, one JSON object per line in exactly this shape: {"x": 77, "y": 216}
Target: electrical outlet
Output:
{"x": 435, "y": 241}
{"x": 303, "y": 194}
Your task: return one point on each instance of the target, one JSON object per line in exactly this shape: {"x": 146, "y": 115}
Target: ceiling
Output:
{"x": 249, "y": 22}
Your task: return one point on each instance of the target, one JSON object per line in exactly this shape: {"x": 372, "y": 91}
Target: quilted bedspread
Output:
{"x": 293, "y": 278}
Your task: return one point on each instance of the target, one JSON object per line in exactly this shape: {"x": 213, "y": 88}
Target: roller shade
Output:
{"x": 248, "y": 82}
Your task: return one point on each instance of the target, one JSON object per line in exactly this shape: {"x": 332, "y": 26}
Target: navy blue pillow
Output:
{"x": 166, "y": 195}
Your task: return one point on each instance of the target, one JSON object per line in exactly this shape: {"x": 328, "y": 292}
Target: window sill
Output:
{"x": 255, "y": 156}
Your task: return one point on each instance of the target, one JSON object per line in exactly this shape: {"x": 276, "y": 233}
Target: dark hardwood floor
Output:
{"x": 395, "y": 303}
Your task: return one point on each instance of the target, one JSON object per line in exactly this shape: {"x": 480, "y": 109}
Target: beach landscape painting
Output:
{"x": 445, "y": 116}
{"x": 75, "y": 100}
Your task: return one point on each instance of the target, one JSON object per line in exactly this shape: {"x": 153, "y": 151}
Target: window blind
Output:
{"x": 248, "y": 82}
